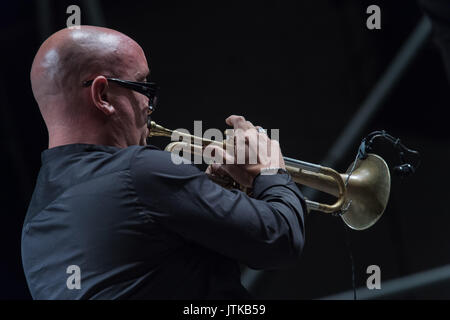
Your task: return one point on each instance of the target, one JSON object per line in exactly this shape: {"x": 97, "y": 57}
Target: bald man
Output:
{"x": 114, "y": 218}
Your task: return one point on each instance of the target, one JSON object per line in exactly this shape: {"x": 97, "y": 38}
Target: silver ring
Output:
{"x": 261, "y": 130}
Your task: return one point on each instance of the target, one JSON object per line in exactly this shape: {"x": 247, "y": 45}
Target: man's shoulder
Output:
{"x": 153, "y": 160}
{"x": 125, "y": 157}
{"x": 148, "y": 153}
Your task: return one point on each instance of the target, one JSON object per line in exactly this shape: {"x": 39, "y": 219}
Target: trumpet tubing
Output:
{"x": 363, "y": 193}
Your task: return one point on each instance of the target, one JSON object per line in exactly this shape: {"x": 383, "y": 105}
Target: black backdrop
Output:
{"x": 304, "y": 68}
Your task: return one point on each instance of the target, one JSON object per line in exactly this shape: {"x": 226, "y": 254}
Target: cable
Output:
{"x": 352, "y": 261}
{"x": 404, "y": 169}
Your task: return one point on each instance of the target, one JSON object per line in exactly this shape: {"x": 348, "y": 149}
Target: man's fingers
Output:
{"x": 233, "y": 119}
{"x": 218, "y": 154}
{"x": 239, "y": 122}
{"x": 261, "y": 130}
{"x": 219, "y": 170}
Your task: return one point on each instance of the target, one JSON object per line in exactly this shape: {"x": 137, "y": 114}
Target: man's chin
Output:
{"x": 143, "y": 141}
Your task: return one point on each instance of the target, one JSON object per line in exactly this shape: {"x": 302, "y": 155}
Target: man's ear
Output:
{"x": 99, "y": 91}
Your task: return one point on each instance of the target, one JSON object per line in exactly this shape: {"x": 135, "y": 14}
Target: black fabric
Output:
{"x": 141, "y": 227}
{"x": 439, "y": 13}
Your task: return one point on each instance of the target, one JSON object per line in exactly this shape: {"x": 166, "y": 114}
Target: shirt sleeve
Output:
{"x": 264, "y": 231}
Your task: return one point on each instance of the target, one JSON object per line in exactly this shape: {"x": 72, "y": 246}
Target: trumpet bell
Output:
{"x": 368, "y": 190}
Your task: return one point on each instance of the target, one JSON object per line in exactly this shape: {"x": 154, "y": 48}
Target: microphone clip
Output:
{"x": 405, "y": 168}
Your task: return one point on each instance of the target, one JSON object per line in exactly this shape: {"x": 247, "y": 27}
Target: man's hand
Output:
{"x": 250, "y": 153}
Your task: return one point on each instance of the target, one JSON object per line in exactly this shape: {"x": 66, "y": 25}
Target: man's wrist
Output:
{"x": 273, "y": 170}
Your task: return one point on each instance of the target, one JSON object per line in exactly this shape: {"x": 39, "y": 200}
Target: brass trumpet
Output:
{"x": 362, "y": 192}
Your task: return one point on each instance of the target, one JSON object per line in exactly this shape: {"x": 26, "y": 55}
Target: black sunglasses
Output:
{"x": 148, "y": 89}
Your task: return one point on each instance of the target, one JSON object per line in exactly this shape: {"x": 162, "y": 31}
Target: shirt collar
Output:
{"x": 50, "y": 154}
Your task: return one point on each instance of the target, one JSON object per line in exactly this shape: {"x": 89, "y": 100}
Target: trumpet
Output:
{"x": 362, "y": 192}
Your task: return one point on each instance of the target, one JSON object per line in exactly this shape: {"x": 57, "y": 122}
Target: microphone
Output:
{"x": 404, "y": 170}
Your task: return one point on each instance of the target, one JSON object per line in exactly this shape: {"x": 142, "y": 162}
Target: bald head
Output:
{"x": 70, "y": 57}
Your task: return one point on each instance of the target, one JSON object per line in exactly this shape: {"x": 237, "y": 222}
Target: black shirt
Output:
{"x": 140, "y": 227}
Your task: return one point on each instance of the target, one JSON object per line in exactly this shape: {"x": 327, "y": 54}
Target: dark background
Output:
{"x": 303, "y": 67}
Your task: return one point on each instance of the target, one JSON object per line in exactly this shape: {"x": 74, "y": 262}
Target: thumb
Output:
{"x": 219, "y": 170}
